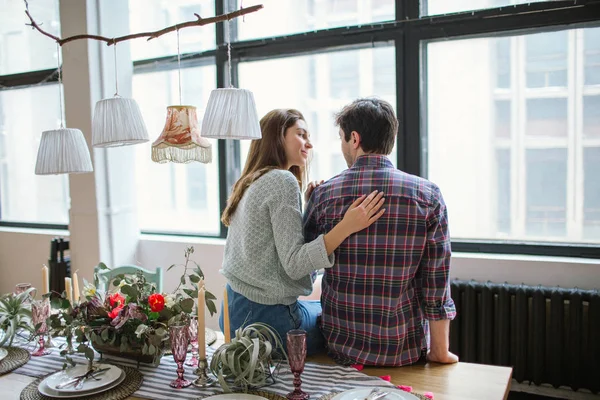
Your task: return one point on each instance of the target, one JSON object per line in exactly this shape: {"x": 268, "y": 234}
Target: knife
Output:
{"x": 78, "y": 378}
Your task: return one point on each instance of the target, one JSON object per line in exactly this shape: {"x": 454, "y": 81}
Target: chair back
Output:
{"x": 106, "y": 276}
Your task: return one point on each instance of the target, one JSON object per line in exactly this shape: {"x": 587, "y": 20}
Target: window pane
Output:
{"x": 175, "y": 197}
{"x": 279, "y": 17}
{"x": 267, "y": 78}
{"x": 501, "y": 155}
{"x": 591, "y": 206}
{"x": 591, "y": 43}
{"x": 433, "y": 7}
{"x": 546, "y": 57}
{"x": 503, "y": 63}
{"x": 144, "y": 18}
{"x": 547, "y": 117}
{"x": 23, "y": 49}
{"x": 24, "y": 196}
{"x": 591, "y": 116}
{"x": 546, "y": 182}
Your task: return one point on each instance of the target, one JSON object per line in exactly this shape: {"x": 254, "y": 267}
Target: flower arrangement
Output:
{"x": 129, "y": 320}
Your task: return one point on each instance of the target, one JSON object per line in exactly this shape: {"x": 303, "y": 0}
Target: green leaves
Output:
{"x": 187, "y": 305}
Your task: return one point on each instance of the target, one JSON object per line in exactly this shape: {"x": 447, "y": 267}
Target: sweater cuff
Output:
{"x": 317, "y": 253}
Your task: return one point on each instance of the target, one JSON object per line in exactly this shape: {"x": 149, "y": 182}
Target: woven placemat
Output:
{"x": 330, "y": 396}
{"x": 133, "y": 381}
{"x": 16, "y": 358}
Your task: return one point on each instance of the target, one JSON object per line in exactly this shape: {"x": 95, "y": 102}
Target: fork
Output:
{"x": 376, "y": 394}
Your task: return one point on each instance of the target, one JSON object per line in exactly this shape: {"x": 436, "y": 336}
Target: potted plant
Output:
{"x": 15, "y": 314}
{"x": 246, "y": 362}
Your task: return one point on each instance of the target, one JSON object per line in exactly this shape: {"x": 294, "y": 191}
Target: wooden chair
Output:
{"x": 105, "y": 277}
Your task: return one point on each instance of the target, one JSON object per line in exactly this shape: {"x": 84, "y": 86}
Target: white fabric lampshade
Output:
{"x": 180, "y": 140}
{"x": 63, "y": 151}
{"x": 118, "y": 122}
{"x": 231, "y": 114}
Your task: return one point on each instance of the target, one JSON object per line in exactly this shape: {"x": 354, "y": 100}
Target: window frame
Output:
{"x": 410, "y": 31}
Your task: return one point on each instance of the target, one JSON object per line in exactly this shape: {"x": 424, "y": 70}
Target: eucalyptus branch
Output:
{"x": 150, "y": 35}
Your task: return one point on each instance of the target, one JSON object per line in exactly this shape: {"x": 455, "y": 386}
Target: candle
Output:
{"x": 45, "y": 281}
{"x": 201, "y": 329}
{"x": 68, "y": 290}
{"x": 76, "y": 287}
{"x": 226, "y": 328}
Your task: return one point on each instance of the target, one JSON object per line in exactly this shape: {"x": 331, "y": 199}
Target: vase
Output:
{"x": 134, "y": 352}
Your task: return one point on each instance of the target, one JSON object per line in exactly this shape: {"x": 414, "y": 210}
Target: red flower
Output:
{"x": 116, "y": 300}
{"x": 115, "y": 311}
{"x": 156, "y": 302}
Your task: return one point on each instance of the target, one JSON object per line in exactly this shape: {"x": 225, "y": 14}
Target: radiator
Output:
{"x": 548, "y": 335}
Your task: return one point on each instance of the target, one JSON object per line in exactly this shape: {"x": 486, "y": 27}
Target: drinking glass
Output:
{"x": 40, "y": 311}
{"x": 193, "y": 332}
{"x": 296, "y": 346}
{"x": 179, "y": 336}
{"x": 23, "y": 287}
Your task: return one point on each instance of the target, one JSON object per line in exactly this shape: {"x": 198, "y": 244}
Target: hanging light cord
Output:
{"x": 227, "y": 39}
{"x": 179, "y": 66}
{"x": 59, "y": 85}
{"x": 116, "y": 71}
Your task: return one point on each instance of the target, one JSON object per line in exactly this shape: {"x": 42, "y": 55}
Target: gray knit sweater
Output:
{"x": 266, "y": 259}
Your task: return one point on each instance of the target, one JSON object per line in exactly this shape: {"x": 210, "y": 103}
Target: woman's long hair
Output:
{"x": 266, "y": 154}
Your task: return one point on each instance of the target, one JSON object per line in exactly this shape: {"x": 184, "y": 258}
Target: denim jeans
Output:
{"x": 300, "y": 315}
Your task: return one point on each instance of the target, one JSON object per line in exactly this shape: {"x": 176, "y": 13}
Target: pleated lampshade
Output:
{"x": 118, "y": 122}
{"x": 180, "y": 140}
{"x": 63, "y": 151}
{"x": 231, "y": 114}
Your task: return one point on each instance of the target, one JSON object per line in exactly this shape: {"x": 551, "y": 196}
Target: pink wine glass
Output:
{"x": 193, "y": 331}
{"x": 179, "y": 336}
{"x": 40, "y": 311}
{"x": 296, "y": 346}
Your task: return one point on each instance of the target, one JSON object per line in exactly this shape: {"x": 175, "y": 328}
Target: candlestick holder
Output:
{"x": 203, "y": 380}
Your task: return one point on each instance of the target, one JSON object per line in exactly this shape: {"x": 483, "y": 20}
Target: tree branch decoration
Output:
{"x": 150, "y": 35}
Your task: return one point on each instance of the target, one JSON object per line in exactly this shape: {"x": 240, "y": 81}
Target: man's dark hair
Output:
{"x": 374, "y": 120}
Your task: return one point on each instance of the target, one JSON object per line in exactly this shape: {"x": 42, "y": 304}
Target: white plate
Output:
{"x": 106, "y": 378}
{"x": 235, "y": 396}
{"x": 3, "y": 353}
{"x": 46, "y": 391}
{"x": 362, "y": 393}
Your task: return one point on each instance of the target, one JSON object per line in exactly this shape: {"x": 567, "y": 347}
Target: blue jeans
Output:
{"x": 300, "y": 315}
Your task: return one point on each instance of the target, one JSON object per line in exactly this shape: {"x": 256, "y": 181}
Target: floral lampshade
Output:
{"x": 118, "y": 122}
{"x": 180, "y": 140}
{"x": 63, "y": 151}
{"x": 231, "y": 114}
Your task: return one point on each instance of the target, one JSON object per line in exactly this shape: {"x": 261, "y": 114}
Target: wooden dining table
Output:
{"x": 461, "y": 381}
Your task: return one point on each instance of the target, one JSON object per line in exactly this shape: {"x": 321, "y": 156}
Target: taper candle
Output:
{"x": 201, "y": 327}
{"x": 68, "y": 290}
{"x": 75, "y": 287}
{"x": 45, "y": 280}
{"x": 226, "y": 327}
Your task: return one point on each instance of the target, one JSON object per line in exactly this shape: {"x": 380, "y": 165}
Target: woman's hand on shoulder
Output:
{"x": 364, "y": 211}
{"x": 310, "y": 188}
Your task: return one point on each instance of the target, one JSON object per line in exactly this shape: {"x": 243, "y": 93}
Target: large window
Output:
{"x": 513, "y": 142}
{"x": 341, "y": 76}
{"x": 25, "y": 111}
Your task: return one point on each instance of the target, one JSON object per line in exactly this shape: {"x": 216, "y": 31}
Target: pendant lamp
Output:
{"x": 118, "y": 120}
{"x": 230, "y": 112}
{"x": 62, "y": 151}
{"x": 180, "y": 140}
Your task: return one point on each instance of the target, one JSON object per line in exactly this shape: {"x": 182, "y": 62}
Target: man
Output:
{"x": 390, "y": 282}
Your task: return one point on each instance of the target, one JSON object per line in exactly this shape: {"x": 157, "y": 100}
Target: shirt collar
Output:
{"x": 373, "y": 161}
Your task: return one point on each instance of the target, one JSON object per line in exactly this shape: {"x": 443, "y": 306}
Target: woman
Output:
{"x": 266, "y": 261}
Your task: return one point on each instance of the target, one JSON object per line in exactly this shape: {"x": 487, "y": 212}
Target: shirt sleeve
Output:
{"x": 298, "y": 258}
{"x": 435, "y": 264}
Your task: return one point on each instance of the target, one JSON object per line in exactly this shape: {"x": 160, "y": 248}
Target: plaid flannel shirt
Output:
{"x": 390, "y": 278}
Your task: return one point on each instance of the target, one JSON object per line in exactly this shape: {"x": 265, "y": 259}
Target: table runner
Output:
{"x": 317, "y": 379}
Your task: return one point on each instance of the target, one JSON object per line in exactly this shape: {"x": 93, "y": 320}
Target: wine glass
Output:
{"x": 193, "y": 332}
{"x": 179, "y": 336}
{"x": 296, "y": 346}
{"x": 40, "y": 311}
{"x": 23, "y": 287}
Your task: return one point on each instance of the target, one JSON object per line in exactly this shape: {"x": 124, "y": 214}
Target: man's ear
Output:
{"x": 355, "y": 140}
